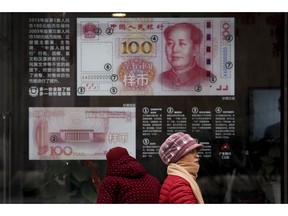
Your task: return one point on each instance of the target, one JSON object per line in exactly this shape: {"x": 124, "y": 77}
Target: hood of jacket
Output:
{"x": 126, "y": 166}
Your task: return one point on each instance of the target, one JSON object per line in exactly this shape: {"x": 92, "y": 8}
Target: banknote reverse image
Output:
{"x": 155, "y": 56}
{"x": 80, "y": 133}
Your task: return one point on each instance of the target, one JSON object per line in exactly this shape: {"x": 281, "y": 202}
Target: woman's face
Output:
{"x": 192, "y": 156}
{"x": 180, "y": 50}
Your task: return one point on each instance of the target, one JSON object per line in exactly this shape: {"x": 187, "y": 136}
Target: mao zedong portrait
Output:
{"x": 182, "y": 46}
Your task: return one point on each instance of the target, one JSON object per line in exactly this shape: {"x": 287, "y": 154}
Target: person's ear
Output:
{"x": 196, "y": 49}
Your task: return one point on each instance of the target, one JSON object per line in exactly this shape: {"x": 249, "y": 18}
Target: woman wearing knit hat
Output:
{"x": 180, "y": 153}
{"x": 127, "y": 181}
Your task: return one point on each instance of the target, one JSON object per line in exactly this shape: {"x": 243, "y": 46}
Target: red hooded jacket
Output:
{"x": 127, "y": 181}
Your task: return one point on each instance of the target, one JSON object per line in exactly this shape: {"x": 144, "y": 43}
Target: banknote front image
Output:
{"x": 79, "y": 133}
{"x": 155, "y": 56}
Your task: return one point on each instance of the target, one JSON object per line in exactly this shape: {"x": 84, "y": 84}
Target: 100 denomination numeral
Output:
{"x": 134, "y": 47}
{"x": 59, "y": 150}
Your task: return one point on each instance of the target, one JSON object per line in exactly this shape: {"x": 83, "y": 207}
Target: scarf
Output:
{"x": 189, "y": 173}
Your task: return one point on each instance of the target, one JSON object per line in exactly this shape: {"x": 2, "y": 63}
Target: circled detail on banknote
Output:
{"x": 98, "y": 31}
{"x": 114, "y": 77}
{"x": 81, "y": 90}
{"x": 53, "y": 139}
{"x": 113, "y": 90}
{"x": 229, "y": 38}
{"x": 198, "y": 88}
{"x": 213, "y": 79}
{"x": 154, "y": 38}
{"x": 109, "y": 31}
{"x": 107, "y": 66}
{"x": 228, "y": 65}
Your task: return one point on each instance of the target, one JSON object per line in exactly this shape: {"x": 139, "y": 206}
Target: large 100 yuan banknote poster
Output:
{"x": 155, "y": 56}
{"x": 57, "y": 133}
